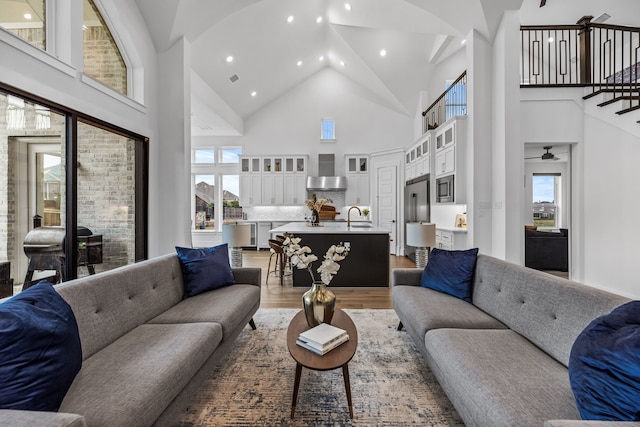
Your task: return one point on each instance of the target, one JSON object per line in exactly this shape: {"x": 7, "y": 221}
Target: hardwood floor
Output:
{"x": 286, "y": 296}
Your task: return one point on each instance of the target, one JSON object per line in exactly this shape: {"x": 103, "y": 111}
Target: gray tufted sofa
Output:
{"x": 145, "y": 349}
{"x": 502, "y": 360}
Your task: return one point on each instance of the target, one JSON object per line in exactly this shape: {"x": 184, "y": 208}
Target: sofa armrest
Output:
{"x": 247, "y": 275}
{"x": 582, "y": 423}
{"x": 16, "y": 418}
{"x": 406, "y": 276}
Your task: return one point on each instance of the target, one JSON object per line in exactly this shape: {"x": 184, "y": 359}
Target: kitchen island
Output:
{"x": 368, "y": 260}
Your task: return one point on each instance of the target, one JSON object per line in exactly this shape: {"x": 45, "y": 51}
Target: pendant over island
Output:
{"x": 367, "y": 263}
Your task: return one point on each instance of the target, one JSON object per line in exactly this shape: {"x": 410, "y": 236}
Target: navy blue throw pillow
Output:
{"x": 40, "y": 351}
{"x": 205, "y": 269}
{"x": 450, "y": 272}
{"x": 604, "y": 366}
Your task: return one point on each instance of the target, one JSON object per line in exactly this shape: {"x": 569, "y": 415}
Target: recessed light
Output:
{"x": 347, "y": 6}
{"x": 321, "y": 58}
{"x": 550, "y": 39}
{"x": 383, "y": 52}
{"x": 463, "y": 41}
{"x": 27, "y": 16}
{"x": 229, "y": 58}
{"x": 319, "y": 19}
{"x": 342, "y": 63}
{"x": 254, "y": 93}
{"x": 290, "y": 19}
{"x": 299, "y": 63}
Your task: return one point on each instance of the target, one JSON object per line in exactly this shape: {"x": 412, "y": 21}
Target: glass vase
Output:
{"x": 315, "y": 217}
{"x": 318, "y": 303}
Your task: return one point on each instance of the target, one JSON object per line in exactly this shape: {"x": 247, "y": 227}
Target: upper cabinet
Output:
{"x": 273, "y": 180}
{"x": 358, "y": 185}
{"x": 418, "y": 158}
{"x": 450, "y": 161}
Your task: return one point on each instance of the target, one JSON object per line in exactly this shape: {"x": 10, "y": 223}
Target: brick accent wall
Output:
{"x": 102, "y": 59}
{"x": 106, "y": 193}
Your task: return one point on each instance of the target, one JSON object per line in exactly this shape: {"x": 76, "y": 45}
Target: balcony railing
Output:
{"x": 604, "y": 58}
{"x": 452, "y": 102}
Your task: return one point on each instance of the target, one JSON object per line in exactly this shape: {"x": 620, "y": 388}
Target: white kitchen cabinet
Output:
{"x": 295, "y": 190}
{"x": 358, "y": 185}
{"x": 451, "y": 240}
{"x": 250, "y": 189}
{"x": 418, "y": 158}
{"x": 450, "y": 159}
{"x": 273, "y": 180}
{"x": 446, "y": 161}
{"x": 272, "y": 189}
{"x": 263, "y": 236}
{"x": 358, "y": 188}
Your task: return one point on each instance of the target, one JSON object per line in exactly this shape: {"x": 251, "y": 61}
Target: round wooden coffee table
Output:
{"x": 339, "y": 357}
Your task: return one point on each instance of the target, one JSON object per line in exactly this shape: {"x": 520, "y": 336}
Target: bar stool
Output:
{"x": 275, "y": 247}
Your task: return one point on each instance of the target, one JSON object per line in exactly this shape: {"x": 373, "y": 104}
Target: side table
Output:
{"x": 339, "y": 357}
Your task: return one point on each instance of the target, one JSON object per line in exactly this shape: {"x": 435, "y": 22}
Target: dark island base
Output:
{"x": 366, "y": 265}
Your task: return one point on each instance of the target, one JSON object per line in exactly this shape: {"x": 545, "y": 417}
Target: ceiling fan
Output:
{"x": 545, "y": 156}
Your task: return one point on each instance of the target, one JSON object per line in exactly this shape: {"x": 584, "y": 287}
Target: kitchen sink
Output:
{"x": 361, "y": 226}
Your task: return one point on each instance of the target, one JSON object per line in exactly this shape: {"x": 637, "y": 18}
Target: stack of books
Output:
{"x": 322, "y": 338}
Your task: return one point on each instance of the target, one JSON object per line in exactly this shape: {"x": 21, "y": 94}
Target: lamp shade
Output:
{"x": 236, "y": 235}
{"x": 421, "y": 234}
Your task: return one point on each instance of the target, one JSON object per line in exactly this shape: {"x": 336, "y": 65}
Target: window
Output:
{"x": 102, "y": 58}
{"x": 205, "y": 196}
{"x": 231, "y": 197}
{"x": 25, "y": 19}
{"x": 205, "y": 155}
{"x": 545, "y": 189}
{"x": 230, "y": 154}
{"x": 328, "y": 131}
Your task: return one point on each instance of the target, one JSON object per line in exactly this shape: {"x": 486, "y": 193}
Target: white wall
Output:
{"x": 291, "y": 124}
{"x": 506, "y": 149}
{"x": 611, "y": 208}
{"x": 604, "y": 233}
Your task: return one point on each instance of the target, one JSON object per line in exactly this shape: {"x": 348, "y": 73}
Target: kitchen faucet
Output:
{"x": 349, "y": 214}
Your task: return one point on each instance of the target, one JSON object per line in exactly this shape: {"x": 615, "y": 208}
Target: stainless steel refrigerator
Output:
{"x": 416, "y": 207}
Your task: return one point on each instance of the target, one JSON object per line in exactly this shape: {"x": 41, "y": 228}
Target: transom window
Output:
{"x": 328, "y": 130}
{"x": 25, "y": 19}
{"x": 103, "y": 60}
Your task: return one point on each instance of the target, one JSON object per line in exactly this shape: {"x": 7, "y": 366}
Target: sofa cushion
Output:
{"x": 450, "y": 272}
{"x": 547, "y": 310}
{"x": 604, "y": 366}
{"x": 134, "y": 379}
{"x": 40, "y": 351}
{"x": 422, "y": 309}
{"x": 112, "y": 303}
{"x": 17, "y": 418}
{"x": 205, "y": 269}
{"x": 228, "y": 306}
{"x": 497, "y": 377}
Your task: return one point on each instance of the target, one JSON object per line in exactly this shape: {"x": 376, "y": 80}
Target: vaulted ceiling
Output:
{"x": 271, "y": 55}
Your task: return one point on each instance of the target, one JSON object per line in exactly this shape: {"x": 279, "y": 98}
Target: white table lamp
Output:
{"x": 236, "y": 235}
{"x": 421, "y": 235}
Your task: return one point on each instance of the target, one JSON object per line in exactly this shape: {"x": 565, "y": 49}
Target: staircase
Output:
{"x": 604, "y": 59}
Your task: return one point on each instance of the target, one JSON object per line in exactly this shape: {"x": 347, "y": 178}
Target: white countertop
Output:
{"x": 454, "y": 229}
{"x": 329, "y": 227}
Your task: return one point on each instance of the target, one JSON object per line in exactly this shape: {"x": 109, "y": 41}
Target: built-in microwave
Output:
{"x": 445, "y": 189}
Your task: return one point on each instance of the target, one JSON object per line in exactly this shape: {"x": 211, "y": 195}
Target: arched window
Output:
{"x": 103, "y": 60}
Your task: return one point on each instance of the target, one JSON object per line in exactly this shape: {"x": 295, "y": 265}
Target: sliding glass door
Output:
{"x": 61, "y": 171}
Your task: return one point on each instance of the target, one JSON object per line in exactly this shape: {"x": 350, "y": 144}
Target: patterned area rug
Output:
{"x": 390, "y": 383}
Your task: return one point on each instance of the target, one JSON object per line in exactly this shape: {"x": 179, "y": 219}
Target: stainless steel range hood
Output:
{"x": 326, "y": 183}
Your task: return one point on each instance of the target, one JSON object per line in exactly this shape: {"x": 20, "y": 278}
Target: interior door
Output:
{"x": 387, "y": 203}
